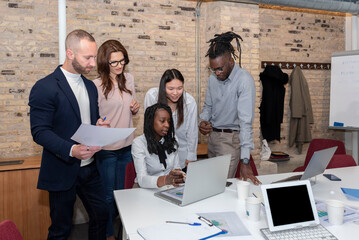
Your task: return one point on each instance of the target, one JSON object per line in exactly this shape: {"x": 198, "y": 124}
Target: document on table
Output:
{"x": 350, "y": 214}
{"x": 177, "y": 231}
{"x": 228, "y": 221}
{"x": 91, "y": 135}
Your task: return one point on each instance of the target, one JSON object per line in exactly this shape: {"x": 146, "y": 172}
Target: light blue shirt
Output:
{"x": 230, "y": 104}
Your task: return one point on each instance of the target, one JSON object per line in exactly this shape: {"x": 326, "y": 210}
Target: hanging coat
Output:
{"x": 301, "y": 110}
{"x": 272, "y": 104}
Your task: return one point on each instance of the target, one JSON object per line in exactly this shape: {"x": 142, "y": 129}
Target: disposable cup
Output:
{"x": 335, "y": 211}
{"x": 242, "y": 190}
{"x": 253, "y": 208}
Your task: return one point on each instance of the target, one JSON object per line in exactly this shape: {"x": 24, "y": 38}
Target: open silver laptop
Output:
{"x": 317, "y": 165}
{"x": 291, "y": 212}
{"x": 205, "y": 178}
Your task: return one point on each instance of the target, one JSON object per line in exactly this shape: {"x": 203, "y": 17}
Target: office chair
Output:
{"x": 130, "y": 175}
{"x": 253, "y": 166}
{"x": 341, "y": 160}
{"x": 319, "y": 144}
{"x": 9, "y": 231}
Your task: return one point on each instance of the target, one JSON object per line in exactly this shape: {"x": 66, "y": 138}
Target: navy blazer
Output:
{"x": 54, "y": 118}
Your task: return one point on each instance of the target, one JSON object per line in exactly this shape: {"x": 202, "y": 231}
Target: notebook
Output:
{"x": 317, "y": 165}
{"x": 290, "y": 207}
{"x": 205, "y": 178}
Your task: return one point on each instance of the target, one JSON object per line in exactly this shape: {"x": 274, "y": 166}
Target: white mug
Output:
{"x": 335, "y": 211}
{"x": 242, "y": 190}
{"x": 253, "y": 208}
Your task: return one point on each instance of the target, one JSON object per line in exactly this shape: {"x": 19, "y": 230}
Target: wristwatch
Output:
{"x": 245, "y": 161}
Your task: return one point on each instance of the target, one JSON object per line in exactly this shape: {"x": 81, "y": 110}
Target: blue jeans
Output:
{"x": 112, "y": 167}
{"x": 89, "y": 188}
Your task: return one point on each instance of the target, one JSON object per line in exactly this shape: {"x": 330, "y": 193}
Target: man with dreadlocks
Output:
{"x": 228, "y": 111}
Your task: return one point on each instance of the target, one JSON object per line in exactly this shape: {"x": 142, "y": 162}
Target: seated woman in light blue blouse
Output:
{"x": 184, "y": 112}
{"x": 154, "y": 153}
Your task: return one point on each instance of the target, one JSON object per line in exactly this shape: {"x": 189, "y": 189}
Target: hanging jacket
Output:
{"x": 301, "y": 110}
{"x": 272, "y": 104}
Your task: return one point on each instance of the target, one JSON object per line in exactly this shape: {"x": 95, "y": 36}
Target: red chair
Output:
{"x": 320, "y": 144}
{"x": 253, "y": 166}
{"x": 130, "y": 175}
{"x": 9, "y": 231}
{"x": 341, "y": 160}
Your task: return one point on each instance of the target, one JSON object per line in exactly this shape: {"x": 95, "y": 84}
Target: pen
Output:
{"x": 257, "y": 197}
{"x": 192, "y": 224}
{"x": 104, "y": 118}
{"x": 214, "y": 235}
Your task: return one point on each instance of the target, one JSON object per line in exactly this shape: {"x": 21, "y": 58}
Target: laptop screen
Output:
{"x": 289, "y": 205}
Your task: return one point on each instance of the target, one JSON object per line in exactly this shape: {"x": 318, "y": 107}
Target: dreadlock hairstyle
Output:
{"x": 170, "y": 143}
{"x": 103, "y": 66}
{"x": 168, "y": 76}
{"x": 221, "y": 44}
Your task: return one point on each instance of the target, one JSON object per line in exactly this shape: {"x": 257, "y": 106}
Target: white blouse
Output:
{"x": 187, "y": 133}
{"x": 148, "y": 166}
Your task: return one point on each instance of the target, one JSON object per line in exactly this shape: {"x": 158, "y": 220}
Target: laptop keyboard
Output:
{"x": 317, "y": 232}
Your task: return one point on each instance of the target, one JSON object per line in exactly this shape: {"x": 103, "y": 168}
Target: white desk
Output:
{"x": 139, "y": 207}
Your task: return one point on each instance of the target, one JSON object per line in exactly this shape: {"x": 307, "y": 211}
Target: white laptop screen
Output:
{"x": 289, "y": 205}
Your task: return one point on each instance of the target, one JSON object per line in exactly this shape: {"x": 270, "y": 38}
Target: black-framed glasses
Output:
{"x": 115, "y": 63}
{"x": 214, "y": 70}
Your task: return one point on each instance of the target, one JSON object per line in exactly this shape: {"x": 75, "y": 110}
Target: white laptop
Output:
{"x": 205, "y": 178}
{"x": 290, "y": 209}
{"x": 317, "y": 165}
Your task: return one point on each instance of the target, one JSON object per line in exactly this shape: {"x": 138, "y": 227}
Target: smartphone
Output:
{"x": 332, "y": 177}
{"x": 228, "y": 184}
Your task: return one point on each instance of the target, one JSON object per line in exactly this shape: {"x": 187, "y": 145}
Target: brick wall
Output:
{"x": 158, "y": 34}
{"x": 304, "y": 37}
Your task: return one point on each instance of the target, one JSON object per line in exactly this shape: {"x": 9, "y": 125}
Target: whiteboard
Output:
{"x": 344, "y": 89}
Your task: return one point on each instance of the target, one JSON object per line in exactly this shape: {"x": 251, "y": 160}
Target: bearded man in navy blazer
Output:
{"x": 59, "y": 103}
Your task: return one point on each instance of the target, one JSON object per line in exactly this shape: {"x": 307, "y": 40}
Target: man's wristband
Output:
{"x": 245, "y": 161}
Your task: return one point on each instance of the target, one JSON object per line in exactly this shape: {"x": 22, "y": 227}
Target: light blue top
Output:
{"x": 230, "y": 104}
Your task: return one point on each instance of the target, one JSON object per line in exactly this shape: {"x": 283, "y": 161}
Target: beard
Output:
{"x": 78, "y": 68}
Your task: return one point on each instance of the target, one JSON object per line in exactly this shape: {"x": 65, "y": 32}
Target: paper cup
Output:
{"x": 335, "y": 211}
{"x": 253, "y": 208}
{"x": 242, "y": 190}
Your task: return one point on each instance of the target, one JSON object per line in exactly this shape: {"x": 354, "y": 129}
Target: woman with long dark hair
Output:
{"x": 117, "y": 102}
{"x": 184, "y": 112}
{"x": 155, "y": 152}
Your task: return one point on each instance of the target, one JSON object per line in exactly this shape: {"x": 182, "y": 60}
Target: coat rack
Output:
{"x": 302, "y": 65}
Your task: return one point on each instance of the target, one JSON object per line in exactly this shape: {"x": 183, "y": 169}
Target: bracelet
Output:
{"x": 164, "y": 181}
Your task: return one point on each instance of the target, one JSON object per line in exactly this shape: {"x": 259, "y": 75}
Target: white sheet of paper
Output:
{"x": 173, "y": 231}
{"x": 91, "y": 135}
